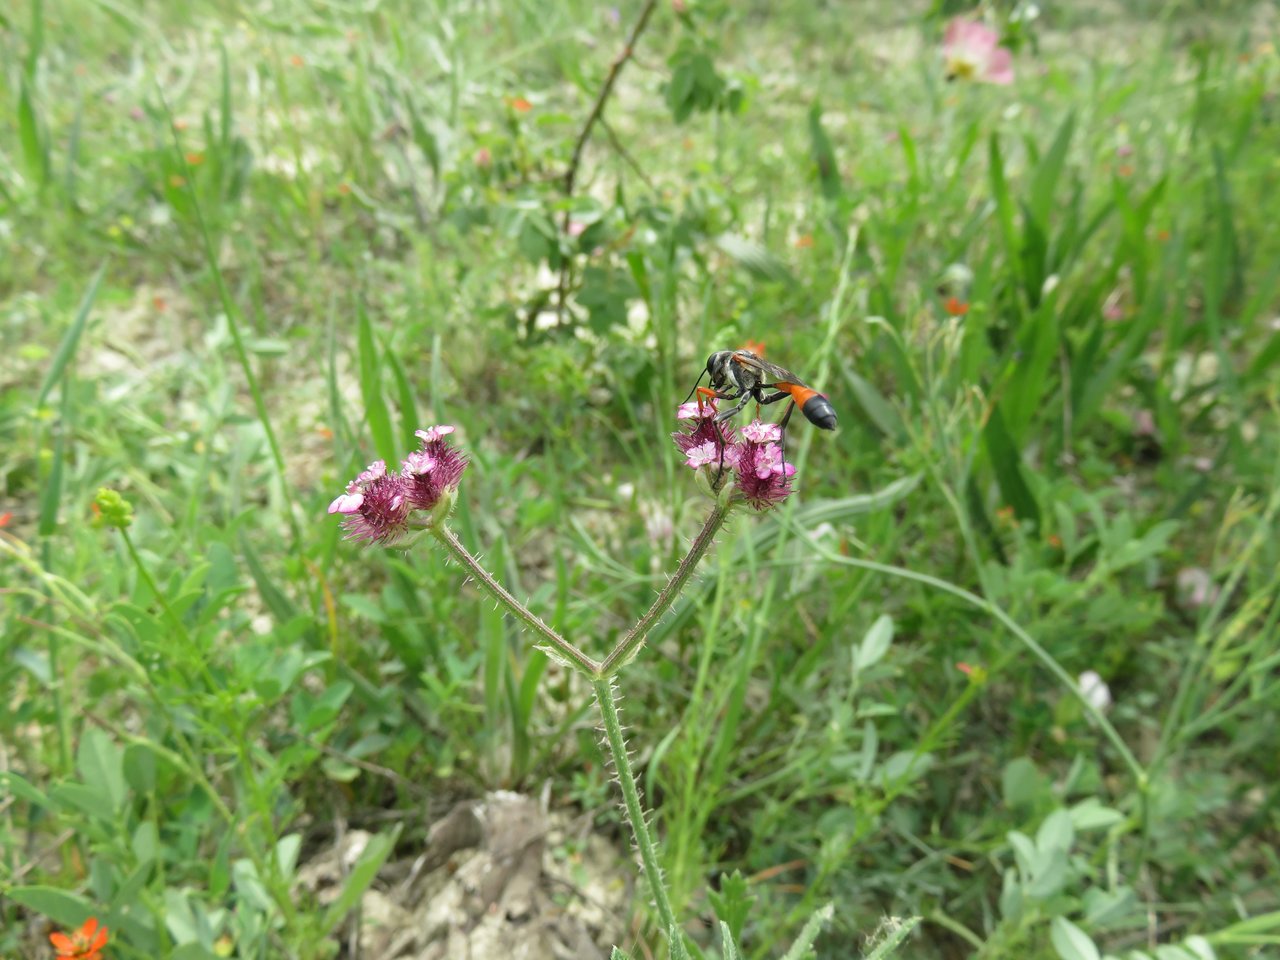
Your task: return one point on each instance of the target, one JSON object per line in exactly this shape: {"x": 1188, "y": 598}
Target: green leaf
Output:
{"x": 1056, "y": 831}
{"x": 375, "y": 408}
{"x": 895, "y": 931}
{"x": 63, "y": 908}
{"x": 732, "y": 904}
{"x": 101, "y": 765}
{"x": 15, "y": 786}
{"x": 879, "y": 411}
{"x": 34, "y": 152}
{"x": 617, "y": 954}
{"x": 1090, "y": 814}
{"x": 822, "y": 154}
{"x": 1071, "y": 942}
{"x": 362, "y": 875}
{"x": 281, "y": 607}
{"x": 728, "y": 949}
{"x": 1023, "y": 784}
{"x": 813, "y": 926}
{"x": 1004, "y": 202}
{"x": 875, "y": 644}
{"x": 1007, "y": 464}
{"x": 71, "y": 339}
{"x": 1045, "y": 182}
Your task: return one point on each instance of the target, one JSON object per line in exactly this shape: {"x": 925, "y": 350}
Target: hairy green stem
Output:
{"x": 627, "y": 646}
{"x": 606, "y": 699}
{"x": 571, "y": 654}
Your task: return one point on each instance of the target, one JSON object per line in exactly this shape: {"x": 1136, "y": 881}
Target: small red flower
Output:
{"x": 5, "y": 518}
{"x": 83, "y": 944}
{"x": 755, "y": 346}
{"x": 956, "y": 307}
{"x": 520, "y": 104}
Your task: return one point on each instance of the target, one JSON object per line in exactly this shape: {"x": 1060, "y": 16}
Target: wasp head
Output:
{"x": 718, "y": 368}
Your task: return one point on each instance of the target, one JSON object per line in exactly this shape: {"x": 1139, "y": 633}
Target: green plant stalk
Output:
{"x": 627, "y": 646}
{"x": 231, "y": 311}
{"x": 606, "y": 699}
{"x": 558, "y": 644}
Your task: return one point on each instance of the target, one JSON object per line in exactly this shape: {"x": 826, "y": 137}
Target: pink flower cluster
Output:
{"x": 761, "y": 477}
{"x": 378, "y": 506}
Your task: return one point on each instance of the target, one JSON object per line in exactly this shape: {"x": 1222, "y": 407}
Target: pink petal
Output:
{"x": 1000, "y": 67}
{"x": 432, "y": 434}
{"x": 346, "y": 503}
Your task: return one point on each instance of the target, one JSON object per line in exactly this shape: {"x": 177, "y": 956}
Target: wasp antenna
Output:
{"x": 696, "y": 384}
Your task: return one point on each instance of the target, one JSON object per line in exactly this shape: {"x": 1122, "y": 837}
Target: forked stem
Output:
{"x": 628, "y": 645}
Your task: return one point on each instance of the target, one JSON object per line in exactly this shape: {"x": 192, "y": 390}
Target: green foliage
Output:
{"x": 248, "y": 254}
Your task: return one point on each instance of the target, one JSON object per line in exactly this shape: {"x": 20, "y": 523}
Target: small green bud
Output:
{"x": 111, "y": 510}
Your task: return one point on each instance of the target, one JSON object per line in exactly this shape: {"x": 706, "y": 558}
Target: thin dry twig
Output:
{"x": 597, "y": 111}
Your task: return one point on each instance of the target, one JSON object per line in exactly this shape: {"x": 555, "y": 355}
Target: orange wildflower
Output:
{"x": 804, "y": 241}
{"x": 296, "y": 60}
{"x": 83, "y": 944}
{"x": 177, "y": 180}
{"x": 5, "y": 518}
{"x": 956, "y": 307}
{"x": 520, "y": 104}
{"x": 755, "y": 346}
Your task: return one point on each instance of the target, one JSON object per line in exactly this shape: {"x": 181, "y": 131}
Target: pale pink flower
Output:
{"x": 972, "y": 51}
{"x": 702, "y": 454}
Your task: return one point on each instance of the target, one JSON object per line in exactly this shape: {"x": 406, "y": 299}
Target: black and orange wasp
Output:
{"x": 743, "y": 376}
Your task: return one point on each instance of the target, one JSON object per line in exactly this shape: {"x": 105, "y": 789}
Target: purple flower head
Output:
{"x": 704, "y": 429}
{"x": 972, "y": 51}
{"x": 433, "y": 470}
{"x": 762, "y": 477}
{"x": 375, "y": 506}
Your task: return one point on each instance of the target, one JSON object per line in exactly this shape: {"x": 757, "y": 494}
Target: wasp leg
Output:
{"x": 733, "y": 412}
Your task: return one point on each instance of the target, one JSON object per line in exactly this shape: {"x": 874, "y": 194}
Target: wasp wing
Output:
{"x": 768, "y": 371}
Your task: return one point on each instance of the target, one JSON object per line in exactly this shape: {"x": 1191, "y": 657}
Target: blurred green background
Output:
{"x": 249, "y": 247}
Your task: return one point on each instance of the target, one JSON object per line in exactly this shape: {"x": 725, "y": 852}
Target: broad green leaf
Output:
{"x": 1071, "y": 942}
{"x": 1056, "y": 831}
{"x": 875, "y": 644}
{"x": 101, "y": 764}
{"x": 61, "y": 906}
